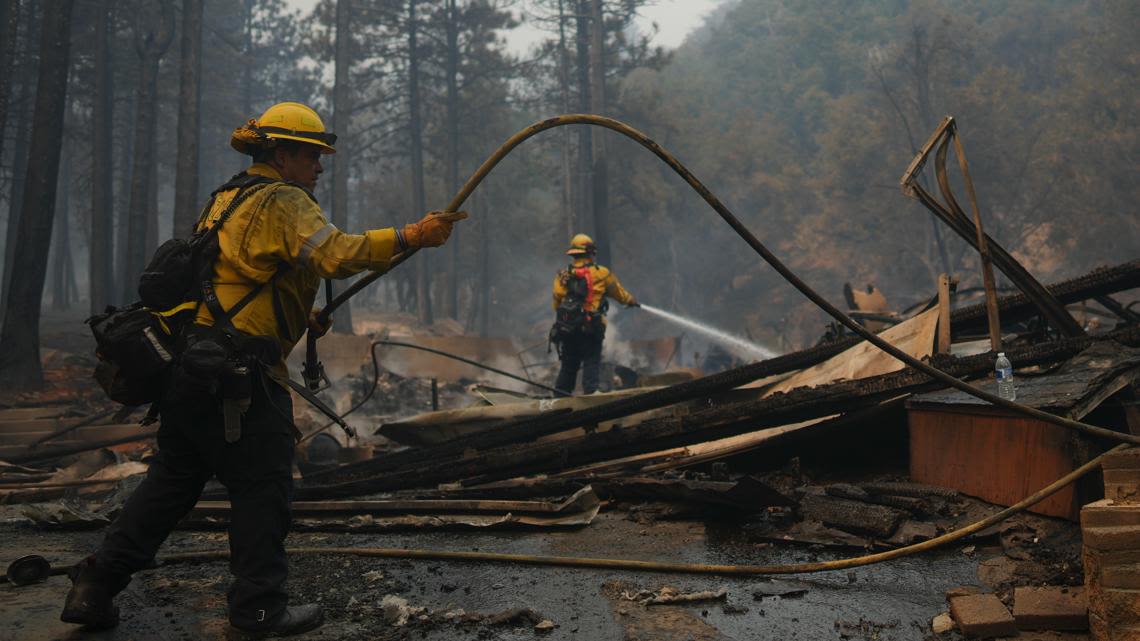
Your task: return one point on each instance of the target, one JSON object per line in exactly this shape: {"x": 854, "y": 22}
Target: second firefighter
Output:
{"x": 580, "y": 292}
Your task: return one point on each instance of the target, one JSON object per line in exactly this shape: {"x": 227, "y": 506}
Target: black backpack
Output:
{"x": 137, "y": 344}
{"x": 571, "y": 316}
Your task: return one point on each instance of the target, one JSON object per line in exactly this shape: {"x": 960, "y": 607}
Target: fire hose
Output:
{"x": 795, "y": 281}
{"x": 753, "y": 242}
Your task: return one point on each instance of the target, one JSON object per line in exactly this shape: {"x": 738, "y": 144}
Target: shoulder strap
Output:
{"x": 223, "y": 318}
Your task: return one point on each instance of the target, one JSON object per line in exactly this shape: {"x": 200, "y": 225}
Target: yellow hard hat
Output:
{"x": 581, "y": 244}
{"x": 283, "y": 121}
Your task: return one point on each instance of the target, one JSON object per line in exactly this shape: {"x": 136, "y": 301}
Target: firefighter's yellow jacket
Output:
{"x": 280, "y": 228}
{"x": 601, "y": 280}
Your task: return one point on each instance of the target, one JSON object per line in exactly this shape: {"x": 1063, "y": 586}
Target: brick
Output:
{"x": 1122, "y": 492}
{"x": 983, "y": 616}
{"x": 1120, "y": 576}
{"x": 1107, "y": 513}
{"x": 1108, "y": 539}
{"x": 1098, "y": 628}
{"x": 1125, "y": 633}
{"x": 965, "y": 590}
{"x": 1122, "y": 476}
{"x": 1116, "y": 607}
{"x": 1051, "y": 608}
{"x": 1128, "y": 459}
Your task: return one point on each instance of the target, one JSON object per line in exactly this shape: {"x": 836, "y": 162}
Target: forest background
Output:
{"x": 799, "y": 114}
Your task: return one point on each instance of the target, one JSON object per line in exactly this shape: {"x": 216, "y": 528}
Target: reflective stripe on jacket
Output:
{"x": 280, "y": 228}
{"x": 602, "y": 281}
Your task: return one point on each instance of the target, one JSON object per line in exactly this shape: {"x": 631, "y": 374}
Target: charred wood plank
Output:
{"x": 1017, "y": 307}
{"x": 1106, "y": 280}
{"x": 852, "y": 516}
{"x": 532, "y": 428}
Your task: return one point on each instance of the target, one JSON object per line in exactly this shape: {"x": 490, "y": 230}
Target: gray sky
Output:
{"x": 674, "y": 18}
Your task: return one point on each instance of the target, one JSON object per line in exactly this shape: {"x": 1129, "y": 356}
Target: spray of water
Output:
{"x": 739, "y": 345}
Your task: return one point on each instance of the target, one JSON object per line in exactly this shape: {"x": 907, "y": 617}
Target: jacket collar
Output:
{"x": 263, "y": 169}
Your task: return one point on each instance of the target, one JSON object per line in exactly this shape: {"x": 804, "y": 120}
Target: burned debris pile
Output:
{"x": 836, "y": 449}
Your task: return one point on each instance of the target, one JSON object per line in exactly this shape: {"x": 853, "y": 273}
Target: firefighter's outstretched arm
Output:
{"x": 615, "y": 291}
{"x": 310, "y": 239}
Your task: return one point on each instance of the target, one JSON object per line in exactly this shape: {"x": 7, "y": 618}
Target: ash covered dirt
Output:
{"x": 894, "y": 600}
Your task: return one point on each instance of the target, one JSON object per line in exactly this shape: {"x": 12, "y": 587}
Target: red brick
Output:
{"x": 1107, "y": 513}
{"x": 982, "y": 615}
{"x": 1108, "y": 539}
{"x": 1051, "y": 608}
{"x": 1128, "y": 459}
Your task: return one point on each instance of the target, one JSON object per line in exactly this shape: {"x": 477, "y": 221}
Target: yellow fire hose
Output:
{"x": 753, "y": 242}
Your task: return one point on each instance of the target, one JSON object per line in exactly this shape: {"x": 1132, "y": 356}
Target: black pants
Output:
{"x": 257, "y": 472}
{"x": 580, "y": 350}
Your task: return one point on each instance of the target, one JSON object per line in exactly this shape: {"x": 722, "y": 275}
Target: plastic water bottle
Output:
{"x": 1003, "y": 373}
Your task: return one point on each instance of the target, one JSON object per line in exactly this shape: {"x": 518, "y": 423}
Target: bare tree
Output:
{"x": 342, "y": 110}
{"x": 9, "y": 23}
{"x": 102, "y": 168}
{"x": 61, "y": 262}
{"x": 24, "y": 95}
{"x": 189, "y": 103}
{"x": 564, "y": 96}
{"x": 599, "y": 177}
{"x": 20, "y": 338}
{"x": 584, "y": 202}
{"x": 153, "y": 34}
{"x": 423, "y": 277}
{"x": 451, "y": 70}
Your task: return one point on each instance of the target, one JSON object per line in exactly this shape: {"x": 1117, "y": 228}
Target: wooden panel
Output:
{"x": 1000, "y": 459}
{"x": 89, "y": 434}
{"x": 915, "y": 336}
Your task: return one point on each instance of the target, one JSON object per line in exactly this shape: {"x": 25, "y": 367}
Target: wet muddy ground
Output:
{"x": 889, "y": 601}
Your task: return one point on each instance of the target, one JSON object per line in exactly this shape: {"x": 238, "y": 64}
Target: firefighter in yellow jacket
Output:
{"x": 274, "y": 247}
{"x": 580, "y": 305}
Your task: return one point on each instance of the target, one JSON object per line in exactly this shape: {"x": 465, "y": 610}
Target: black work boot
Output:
{"x": 294, "y": 620}
{"x": 89, "y": 601}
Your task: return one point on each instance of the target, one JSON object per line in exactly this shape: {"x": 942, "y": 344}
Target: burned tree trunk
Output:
{"x": 451, "y": 300}
{"x": 151, "y": 43}
{"x": 485, "y": 284}
{"x": 61, "y": 245}
{"x": 189, "y": 102}
{"x": 584, "y": 204}
{"x": 564, "y": 95}
{"x": 20, "y": 338}
{"x": 342, "y": 322}
{"x": 601, "y": 196}
{"x": 123, "y": 202}
{"x": 24, "y": 99}
{"x": 102, "y": 168}
{"x": 9, "y": 23}
{"x": 423, "y": 265}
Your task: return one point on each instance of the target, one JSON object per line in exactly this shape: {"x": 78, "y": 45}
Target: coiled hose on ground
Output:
{"x": 807, "y": 291}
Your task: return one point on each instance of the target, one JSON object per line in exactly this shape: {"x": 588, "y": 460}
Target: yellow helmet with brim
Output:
{"x": 283, "y": 121}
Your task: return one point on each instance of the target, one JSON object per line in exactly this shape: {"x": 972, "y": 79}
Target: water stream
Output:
{"x": 736, "y": 344}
